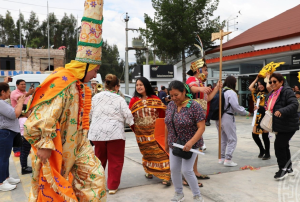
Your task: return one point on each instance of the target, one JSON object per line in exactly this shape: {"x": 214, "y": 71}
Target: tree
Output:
{"x": 20, "y": 22}
{"x": 9, "y": 29}
{"x": 176, "y": 24}
{"x": 2, "y": 31}
{"x": 111, "y": 63}
{"x": 31, "y": 27}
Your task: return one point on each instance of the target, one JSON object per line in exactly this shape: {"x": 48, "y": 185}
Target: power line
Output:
{"x": 42, "y": 5}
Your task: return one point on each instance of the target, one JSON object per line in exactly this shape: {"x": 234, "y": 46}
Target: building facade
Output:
{"x": 33, "y": 60}
{"x": 274, "y": 40}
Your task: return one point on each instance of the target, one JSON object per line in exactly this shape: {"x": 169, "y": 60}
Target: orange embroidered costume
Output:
{"x": 60, "y": 121}
{"x": 145, "y": 113}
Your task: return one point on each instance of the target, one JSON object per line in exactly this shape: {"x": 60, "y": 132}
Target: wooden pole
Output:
{"x": 220, "y": 93}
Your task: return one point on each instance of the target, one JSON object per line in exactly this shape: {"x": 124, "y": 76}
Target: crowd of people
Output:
{"x": 185, "y": 111}
{"x": 61, "y": 120}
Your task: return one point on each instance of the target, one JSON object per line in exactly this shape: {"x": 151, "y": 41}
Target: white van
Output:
{"x": 36, "y": 79}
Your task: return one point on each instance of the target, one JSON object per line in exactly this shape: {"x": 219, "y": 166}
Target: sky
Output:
{"x": 250, "y": 13}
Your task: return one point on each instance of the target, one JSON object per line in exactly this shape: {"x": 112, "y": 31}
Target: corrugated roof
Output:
{"x": 284, "y": 25}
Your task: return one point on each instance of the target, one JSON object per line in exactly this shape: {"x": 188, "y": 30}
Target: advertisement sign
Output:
{"x": 296, "y": 59}
{"x": 161, "y": 71}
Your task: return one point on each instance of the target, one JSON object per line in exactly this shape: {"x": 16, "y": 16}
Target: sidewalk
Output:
{"x": 226, "y": 183}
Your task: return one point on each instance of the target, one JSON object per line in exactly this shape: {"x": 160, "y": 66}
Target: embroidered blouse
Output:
{"x": 185, "y": 122}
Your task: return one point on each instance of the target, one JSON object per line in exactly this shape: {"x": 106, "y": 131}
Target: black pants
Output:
{"x": 282, "y": 149}
{"x": 25, "y": 149}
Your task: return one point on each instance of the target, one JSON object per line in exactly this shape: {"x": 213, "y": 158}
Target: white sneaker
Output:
{"x": 203, "y": 147}
{"x": 177, "y": 197}
{"x": 198, "y": 199}
{"x": 221, "y": 161}
{"x": 12, "y": 180}
{"x": 7, "y": 187}
{"x": 229, "y": 163}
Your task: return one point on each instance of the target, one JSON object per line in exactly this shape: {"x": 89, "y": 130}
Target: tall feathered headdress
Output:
{"x": 199, "y": 63}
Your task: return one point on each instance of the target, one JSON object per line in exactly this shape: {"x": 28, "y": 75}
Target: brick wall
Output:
{"x": 34, "y": 59}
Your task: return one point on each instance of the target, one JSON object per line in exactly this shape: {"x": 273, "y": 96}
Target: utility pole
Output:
{"x": 126, "y": 58}
{"x": 20, "y": 42}
{"x": 48, "y": 37}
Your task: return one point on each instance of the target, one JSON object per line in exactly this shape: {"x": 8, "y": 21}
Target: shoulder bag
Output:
{"x": 267, "y": 122}
{"x": 177, "y": 151}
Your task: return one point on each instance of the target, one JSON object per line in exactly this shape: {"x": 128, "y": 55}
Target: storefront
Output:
{"x": 274, "y": 40}
{"x": 246, "y": 69}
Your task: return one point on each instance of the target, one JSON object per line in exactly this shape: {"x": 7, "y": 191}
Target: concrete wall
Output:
{"x": 34, "y": 59}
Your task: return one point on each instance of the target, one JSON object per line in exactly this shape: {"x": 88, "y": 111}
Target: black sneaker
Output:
{"x": 26, "y": 170}
{"x": 207, "y": 123}
{"x": 266, "y": 157}
{"x": 290, "y": 172}
{"x": 261, "y": 154}
{"x": 281, "y": 174}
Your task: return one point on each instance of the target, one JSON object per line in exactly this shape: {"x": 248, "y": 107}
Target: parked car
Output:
{"x": 127, "y": 99}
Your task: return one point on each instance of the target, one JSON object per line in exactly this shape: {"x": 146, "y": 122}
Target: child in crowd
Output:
{"x": 25, "y": 150}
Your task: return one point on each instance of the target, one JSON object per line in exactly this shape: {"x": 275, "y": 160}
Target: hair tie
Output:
{"x": 188, "y": 91}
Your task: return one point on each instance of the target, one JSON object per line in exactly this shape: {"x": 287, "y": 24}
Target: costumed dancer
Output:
{"x": 198, "y": 74}
{"x": 146, "y": 107}
{"x": 260, "y": 92}
{"x": 64, "y": 165}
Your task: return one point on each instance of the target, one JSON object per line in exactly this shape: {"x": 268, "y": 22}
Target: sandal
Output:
{"x": 166, "y": 182}
{"x": 203, "y": 177}
{"x": 185, "y": 183}
{"x": 148, "y": 176}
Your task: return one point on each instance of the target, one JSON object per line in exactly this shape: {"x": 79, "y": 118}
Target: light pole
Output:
{"x": 48, "y": 37}
{"x": 126, "y": 57}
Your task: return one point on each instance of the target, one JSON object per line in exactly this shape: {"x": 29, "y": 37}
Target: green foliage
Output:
{"x": 176, "y": 24}
{"x": 34, "y": 43}
{"x": 62, "y": 33}
{"x": 111, "y": 63}
{"x": 7, "y": 29}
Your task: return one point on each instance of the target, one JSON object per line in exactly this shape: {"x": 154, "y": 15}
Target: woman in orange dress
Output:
{"x": 146, "y": 107}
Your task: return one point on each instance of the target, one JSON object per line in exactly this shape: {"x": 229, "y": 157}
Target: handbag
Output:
{"x": 177, "y": 151}
{"x": 18, "y": 140}
{"x": 267, "y": 122}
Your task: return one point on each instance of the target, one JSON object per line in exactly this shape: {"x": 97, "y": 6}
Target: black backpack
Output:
{"x": 214, "y": 106}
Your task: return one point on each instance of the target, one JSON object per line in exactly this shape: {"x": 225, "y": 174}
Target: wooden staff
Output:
{"x": 220, "y": 36}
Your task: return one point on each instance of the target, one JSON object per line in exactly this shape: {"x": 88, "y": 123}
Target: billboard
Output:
{"x": 161, "y": 71}
{"x": 296, "y": 59}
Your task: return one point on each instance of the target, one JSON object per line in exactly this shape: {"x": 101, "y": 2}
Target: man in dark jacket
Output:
{"x": 163, "y": 95}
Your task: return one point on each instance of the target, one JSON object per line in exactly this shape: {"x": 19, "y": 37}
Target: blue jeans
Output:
{"x": 6, "y": 143}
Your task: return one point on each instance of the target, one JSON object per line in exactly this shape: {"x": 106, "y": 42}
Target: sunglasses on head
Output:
{"x": 274, "y": 81}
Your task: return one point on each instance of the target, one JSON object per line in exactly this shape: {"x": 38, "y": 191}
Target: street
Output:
{"x": 226, "y": 183}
